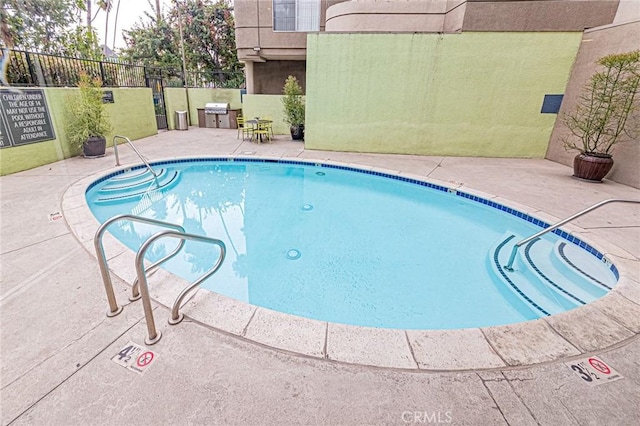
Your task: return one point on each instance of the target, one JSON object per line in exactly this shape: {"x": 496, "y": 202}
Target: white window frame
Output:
{"x": 301, "y": 25}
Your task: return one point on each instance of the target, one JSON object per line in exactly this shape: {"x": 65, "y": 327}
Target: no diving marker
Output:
{"x": 144, "y": 359}
{"x": 594, "y": 371}
{"x": 135, "y": 357}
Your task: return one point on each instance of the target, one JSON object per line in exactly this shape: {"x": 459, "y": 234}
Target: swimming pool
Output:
{"x": 348, "y": 245}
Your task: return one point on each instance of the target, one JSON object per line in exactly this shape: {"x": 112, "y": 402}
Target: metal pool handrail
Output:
{"x": 114, "y": 309}
{"x": 153, "y": 334}
{"x": 115, "y": 151}
{"x": 514, "y": 250}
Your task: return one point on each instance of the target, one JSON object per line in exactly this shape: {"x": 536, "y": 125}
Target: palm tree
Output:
{"x": 115, "y": 25}
{"x": 102, "y": 5}
{"x": 106, "y": 6}
{"x": 89, "y": 19}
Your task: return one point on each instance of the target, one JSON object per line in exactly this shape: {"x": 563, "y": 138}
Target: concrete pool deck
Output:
{"x": 57, "y": 344}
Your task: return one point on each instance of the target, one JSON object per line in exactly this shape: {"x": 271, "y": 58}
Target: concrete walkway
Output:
{"x": 56, "y": 343}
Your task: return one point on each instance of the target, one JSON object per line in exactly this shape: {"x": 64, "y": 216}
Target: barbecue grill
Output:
{"x": 217, "y": 115}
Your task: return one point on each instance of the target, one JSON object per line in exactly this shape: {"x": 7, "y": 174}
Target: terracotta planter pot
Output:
{"x": 591, "y": 168}
{"x": 94, "y": 147}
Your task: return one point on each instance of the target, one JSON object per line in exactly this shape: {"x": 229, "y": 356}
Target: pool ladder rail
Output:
{"x": 548, "y": 289}
{"x": 133, "y": 147}
{"x": 516, "y": 246}
{"x": 140, "y": 287}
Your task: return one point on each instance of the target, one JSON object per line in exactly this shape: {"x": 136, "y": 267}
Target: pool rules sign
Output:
{"x": 24, "y": 117}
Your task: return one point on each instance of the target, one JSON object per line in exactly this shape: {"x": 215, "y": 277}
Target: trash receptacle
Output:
{"x": 181, "y": 120}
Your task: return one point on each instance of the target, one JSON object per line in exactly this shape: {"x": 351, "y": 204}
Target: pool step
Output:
{"x": 139, "y": 188}
{"x": 130, "y": 183}
{"x": 524, "y": 283}
{"x": 582, "y": 265}
{"x": 556, "y": 273}
{"x": 546, "y": 281}
{"x": 130, "y": 175}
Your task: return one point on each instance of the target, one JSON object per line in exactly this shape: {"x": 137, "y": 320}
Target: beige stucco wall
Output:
{"x": 468, "y": 15}
{"x": 261, "y": 48}
{"x": 254, "y": 20}
{"x": 536, "y": 15}
{"x": 381, "y": 16}
{"x": 269, "y": 77}
{"x": 595, "y": 44}
{"x": 628, "y": 10}
{"x": 254, "y": 29}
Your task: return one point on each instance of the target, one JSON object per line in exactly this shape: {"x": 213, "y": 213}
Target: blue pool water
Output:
{"x": 328, "y": 243}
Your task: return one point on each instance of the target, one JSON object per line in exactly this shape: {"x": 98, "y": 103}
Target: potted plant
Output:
{"x": 603, "y": 114}
{"x": 293, "y": 107}
{"x": 89, "y": 124}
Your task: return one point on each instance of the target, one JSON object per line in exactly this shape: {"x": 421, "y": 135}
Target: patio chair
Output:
{"x": 261, "y": 131}
{"x": 242, "y": 127}
{"x": 269, "y": 125}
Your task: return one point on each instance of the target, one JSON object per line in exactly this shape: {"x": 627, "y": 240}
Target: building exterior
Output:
{"x": 623, "y": 35}
{"x": 434, "y": 77}
{"x": 271, "y": 35}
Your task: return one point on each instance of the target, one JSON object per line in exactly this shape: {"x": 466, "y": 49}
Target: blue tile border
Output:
{"x": 559, "y": 232}
{"x": 562, "y": 234}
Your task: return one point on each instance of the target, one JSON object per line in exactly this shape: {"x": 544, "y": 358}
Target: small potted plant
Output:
{"x": 293, "y": 107}
{"x": 88, "y": 124}
{"x": 603, "y": 114}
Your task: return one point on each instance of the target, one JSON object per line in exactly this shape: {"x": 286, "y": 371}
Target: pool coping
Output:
{"x": 602, "y": 324}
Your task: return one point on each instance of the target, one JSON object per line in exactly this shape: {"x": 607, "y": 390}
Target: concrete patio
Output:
{"x": 57, "y": 344}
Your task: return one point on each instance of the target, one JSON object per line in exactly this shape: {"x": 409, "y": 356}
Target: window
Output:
{"x": 296, "y": 15}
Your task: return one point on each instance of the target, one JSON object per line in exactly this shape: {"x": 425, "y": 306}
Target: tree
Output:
{"x": 89, "y": 19}
{"x": 152, "y": 43}
{"x": 158, "y": 12}
{"x": 47, "y": 26}
{"x": 600, "y": 118}
{"x": 209, "y": 38}
{"x": 209, "y": 41}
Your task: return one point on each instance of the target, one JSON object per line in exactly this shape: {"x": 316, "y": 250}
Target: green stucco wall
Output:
{"x": 199, "y": 97}
{"x": 469, "y": 94}
{"x": 175, "y": 99}
{"x": 131, "y": 115}
{"x": 266, "y": 106}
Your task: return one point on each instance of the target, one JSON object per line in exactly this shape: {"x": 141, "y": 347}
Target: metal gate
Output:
{"x": 157, "y": 90}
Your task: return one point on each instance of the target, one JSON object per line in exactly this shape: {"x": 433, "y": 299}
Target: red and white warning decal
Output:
{"x": 55, "y": 216}
{"x": 594, "y": 371}
{"x": 145, "y": 359}
{"x": 135, "y": 357}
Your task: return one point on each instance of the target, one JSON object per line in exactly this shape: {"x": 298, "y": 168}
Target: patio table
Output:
{"x": 255, "y": 123}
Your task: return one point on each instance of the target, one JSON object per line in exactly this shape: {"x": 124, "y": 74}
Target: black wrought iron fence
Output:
{"x": 40, "y": 69}
{"x": 170, "y": 77}
{"x": 215, "y": 79}
{"x": 44, "y": 70}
